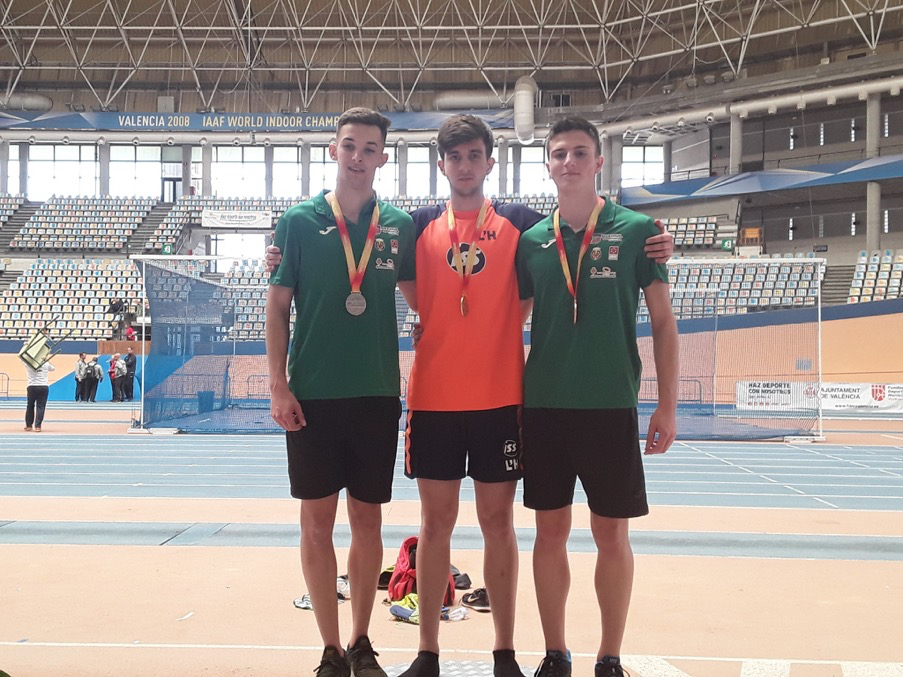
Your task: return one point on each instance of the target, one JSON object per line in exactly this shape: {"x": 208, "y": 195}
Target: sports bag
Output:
{"x": 404, "y": 578}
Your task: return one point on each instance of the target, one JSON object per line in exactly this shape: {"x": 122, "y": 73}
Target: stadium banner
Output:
{"x": 230, "y": 122}
{"x": 846, "y": 397}
{"x": 862, "y": 397}
{"x": 216, "y": 218}
{"x": 775, "y": 395}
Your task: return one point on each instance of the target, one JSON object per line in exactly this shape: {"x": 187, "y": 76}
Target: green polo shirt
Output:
{"x": 334, "y": 354}
{"x": 594, "y": 364}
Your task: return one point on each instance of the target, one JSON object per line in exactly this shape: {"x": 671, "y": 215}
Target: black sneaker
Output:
{"x": 362, "y": 658}
{"x": 333, "y": 664}
{"x": 610, "y": 666}
{"x": 425, "y": 665}
{"x": 555, "y": 664}
{"x": 504, "y": 664}
{"x": 478, "y": 600}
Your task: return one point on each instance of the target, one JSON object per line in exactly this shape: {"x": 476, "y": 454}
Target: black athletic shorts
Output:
{"x": 600, "y": 446}
{"x": 449, "y": 445}
{"x": 347, "y": 444}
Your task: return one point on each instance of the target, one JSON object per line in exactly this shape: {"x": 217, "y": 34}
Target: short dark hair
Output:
{"x": 462, "y": 128}
{"x": 364, "y": 116}
{"x": 574, "y": 123}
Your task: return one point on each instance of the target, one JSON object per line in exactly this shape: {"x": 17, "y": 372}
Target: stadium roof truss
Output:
{"x": 402, "y": 46}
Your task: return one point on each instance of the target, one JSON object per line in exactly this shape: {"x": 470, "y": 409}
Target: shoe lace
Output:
{"x": 613, "y": 671}
{"x": 364, "y": 657}
{"x": 549, "y": 666}
{"x": 331, "y": 662}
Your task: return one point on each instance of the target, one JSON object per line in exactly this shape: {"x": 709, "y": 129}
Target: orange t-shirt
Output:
{"x": 473, "y": 362}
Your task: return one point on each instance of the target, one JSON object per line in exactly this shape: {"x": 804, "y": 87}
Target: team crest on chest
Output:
{"x": 380, "y": 245}
{"x": 478, "y": 265}
{"x": 595, "y": 254}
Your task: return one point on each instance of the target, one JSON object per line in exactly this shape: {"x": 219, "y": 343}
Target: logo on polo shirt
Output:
{"x": 394, "y": 246}
{"x": 548, "y": 244}
{"x": 512, "y": 462}
{"x": 327, "y": 230}
{"x": 612, "y": 237}
{"x": 380, "y": 245}
{"x": 388, "y": 264}
{"x": 613, "y": 252}
{"x": 388, "y": 230}
{"x": 604, "y": 273}
{"x": 596, "y": 238}
{"x": 478, "y": 265}
{"x": 596, "y": 254}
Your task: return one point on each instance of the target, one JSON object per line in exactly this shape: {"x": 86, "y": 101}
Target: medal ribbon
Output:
{"x": 355, "y": 273}
{"x": 562, "y": 255}
{"x": 465, "y": 267}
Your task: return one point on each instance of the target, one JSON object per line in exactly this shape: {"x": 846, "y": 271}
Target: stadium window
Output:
{"x": 418, "y": 171}
{"x": 135, "y": 171}
{"x": 385, "y": 181}
{"x": 790, "y": 229}
{"x": 322, "y": 170}
{"x": 62, "y": 170}
{"x": 642, "y": 165}
{"x": 13, "y": 169}
{"x": 286, "y": 171}
{"x": 534, "y": 178}
{"x": 853, "y": 224}
{"x": 238, "y": 171}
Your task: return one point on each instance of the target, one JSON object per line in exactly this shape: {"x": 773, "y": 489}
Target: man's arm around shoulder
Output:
{"x": 663, "y": 424}
{"x": 284, "y": 408}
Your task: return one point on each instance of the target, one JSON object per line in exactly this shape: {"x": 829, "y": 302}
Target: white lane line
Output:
{"x": 765, "y": 668}
{"x": 872, "y": 669}
{"x": 849, "y": 668}
{"x": 653, "y": 666}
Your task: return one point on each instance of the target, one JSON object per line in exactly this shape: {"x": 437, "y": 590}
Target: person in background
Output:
{"x": 117, "y": 372}
{"x": 116, "y": 309}
{"x": 128, "y": 384}
{"x": 93, "y": 376}
{"x": 38, "y": 389}
{"x": 81, "y": 368}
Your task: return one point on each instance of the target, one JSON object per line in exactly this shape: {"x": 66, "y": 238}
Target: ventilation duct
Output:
{"x": 27, "y": 102}
{"x": 468, "y": 101}
{"x": 524, "y": 108}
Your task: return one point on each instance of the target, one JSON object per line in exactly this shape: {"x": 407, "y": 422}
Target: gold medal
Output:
{"x": 464, "y": 263}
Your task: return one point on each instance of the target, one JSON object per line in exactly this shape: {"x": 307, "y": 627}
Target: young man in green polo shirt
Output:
{"x": 584, "y": 266}
{"x": 344, "y": 252}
